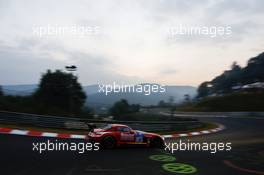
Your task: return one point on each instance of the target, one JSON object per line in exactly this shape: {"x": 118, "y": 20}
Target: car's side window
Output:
{"x": 126, "y": 130}
{"x": 123, "y": 129}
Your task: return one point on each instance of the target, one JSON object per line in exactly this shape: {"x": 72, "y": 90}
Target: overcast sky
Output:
{"x": 129, "y": 41}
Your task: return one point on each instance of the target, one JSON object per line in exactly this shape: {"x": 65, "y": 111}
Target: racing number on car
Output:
{"x": 139, "y": 137}
{"x": 127, "y": 137}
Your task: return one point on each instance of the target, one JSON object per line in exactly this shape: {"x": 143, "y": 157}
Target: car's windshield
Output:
{"x": 106, "y": 127}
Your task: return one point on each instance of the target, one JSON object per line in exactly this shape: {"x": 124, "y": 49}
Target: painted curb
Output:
{"x": 189, "y": 134}
{"x": 79, "y": 136}
{"x": 41, "y": 134}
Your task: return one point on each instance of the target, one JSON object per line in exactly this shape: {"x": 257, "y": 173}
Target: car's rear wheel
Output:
{"x": 109, "y": 142}
{"x": 157, "y": 143}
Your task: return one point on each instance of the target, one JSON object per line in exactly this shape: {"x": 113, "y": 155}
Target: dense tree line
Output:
{"x": 123, "y": 107}
{"x": 58, "y": 93}
{"x": 236, "y": 76}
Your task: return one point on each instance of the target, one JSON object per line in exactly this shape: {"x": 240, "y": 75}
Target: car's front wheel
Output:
{"x": 109, "y": 142}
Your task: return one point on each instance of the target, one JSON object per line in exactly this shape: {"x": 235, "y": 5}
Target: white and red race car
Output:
{"x": 113, "y": 135}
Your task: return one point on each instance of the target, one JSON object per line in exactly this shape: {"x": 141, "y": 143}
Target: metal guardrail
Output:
{"x": 47, "y": 121}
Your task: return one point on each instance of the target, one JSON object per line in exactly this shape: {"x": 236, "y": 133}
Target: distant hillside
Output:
{"x": 96, "y": 99}
{"x": 21, "y": 90}
{"x": 91, "y": 89}
{"x": 178, "y": 92}
{"x": 235, "y": 77}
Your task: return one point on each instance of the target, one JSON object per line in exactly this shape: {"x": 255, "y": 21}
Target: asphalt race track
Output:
{"x": 246, "y": 156}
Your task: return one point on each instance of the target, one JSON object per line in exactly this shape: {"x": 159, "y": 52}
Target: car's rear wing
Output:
{"x": 91, "y": 126}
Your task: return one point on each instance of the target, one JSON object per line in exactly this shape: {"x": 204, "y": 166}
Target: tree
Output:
{"x": 120, "y": 107}
{"x": 236, "y": 76}
{"x": 171, "y": 100}
{"x": 187, "y": 98}
{"x": 203, "y": 89}
{"x": 254, "y": 71}
{"x": 1, "y": 91}
{"x": 60, "y": 91}
{"x": 1, "y": 95}
{"x": 162, "y": 103}
{"x": 171, "y": 103}
{"x": 134, "y": 108}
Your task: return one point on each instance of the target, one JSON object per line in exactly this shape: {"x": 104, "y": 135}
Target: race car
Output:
{"x": 114, "y": 135}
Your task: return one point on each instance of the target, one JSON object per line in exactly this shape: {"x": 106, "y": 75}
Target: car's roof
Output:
{"x": 118, "y": 125}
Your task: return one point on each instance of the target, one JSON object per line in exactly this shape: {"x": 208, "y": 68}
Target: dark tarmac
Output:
{"x": 246, "y": 156}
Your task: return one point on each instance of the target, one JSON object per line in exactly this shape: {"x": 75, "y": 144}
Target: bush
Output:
{"x": 122, "y": 107}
